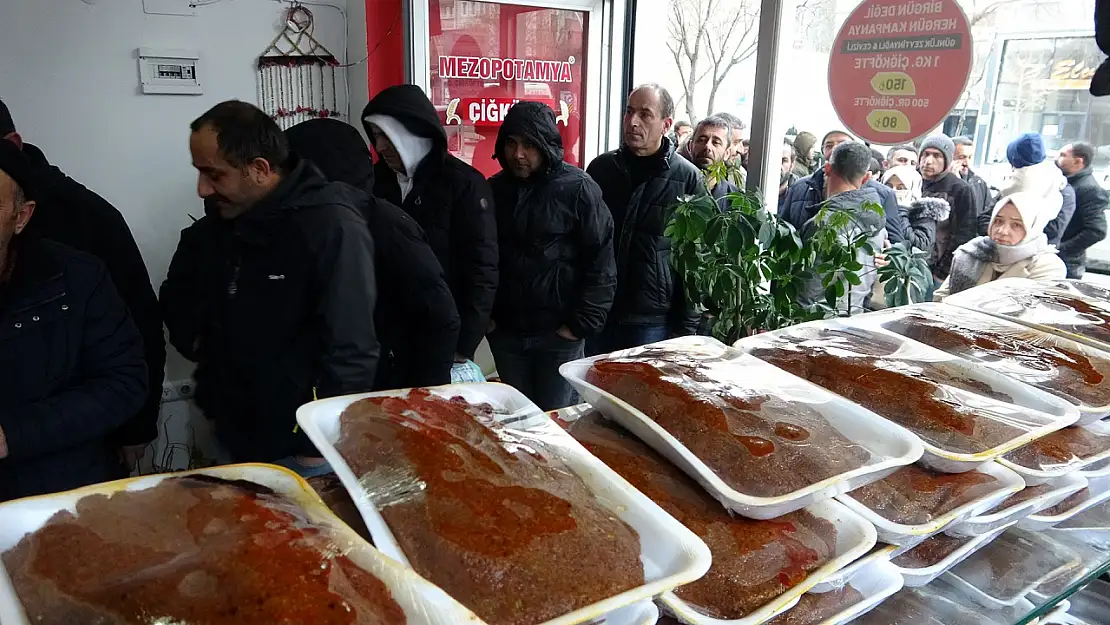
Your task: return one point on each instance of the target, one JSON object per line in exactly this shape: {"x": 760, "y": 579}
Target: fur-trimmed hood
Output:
{"x": 934, "y": 208}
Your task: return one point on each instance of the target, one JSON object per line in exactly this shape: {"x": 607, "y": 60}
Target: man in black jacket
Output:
{"x": 448, "y": 198}
{"x": 981, "y": 192}
{"x": 641, "y": 182}
{"x": 272, "y": 292}
{"x": 1088, "y": 225}
{"x": 937, "y": 154}
{"x": 804, "y": 198}
{"x": 415, "y": 318}
{"x": 71, "y": 214}
{"x": 555, "y": 237}
{"x": 71, "y": 360}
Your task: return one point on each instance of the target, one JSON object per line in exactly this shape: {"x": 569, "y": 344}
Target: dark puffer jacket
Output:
{"x": 555, "y": 237}
{"x": 648, "y": 291}
{"x": 924, "y": 215}
{"x": 415, "y": 317}
{"x": 275, "y": 306}
{"x": 73, "y": 371}
{"x": 452, "y": 203}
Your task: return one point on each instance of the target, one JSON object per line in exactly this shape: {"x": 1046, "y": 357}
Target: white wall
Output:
{"x": 69, "y": 74}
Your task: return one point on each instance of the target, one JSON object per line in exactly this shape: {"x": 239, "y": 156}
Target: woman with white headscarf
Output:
{"x": 1015, "y": 248}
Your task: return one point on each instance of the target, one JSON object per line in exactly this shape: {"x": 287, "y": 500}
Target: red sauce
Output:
{"x": 192, "y": 550}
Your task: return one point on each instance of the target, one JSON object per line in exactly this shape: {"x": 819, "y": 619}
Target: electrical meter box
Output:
{"x": 171, "y": 72}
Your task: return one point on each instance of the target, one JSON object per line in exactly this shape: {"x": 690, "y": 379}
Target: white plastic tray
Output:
{"x": 989, "y": 601}
{"x": 639, "y": 613}
{"x": 1037, "y": 411}
{"x": 915, "y": 578}
{"x": 1063, "y": 487}
{"x": 671, "y": 554}
{"x": 877, "y": 581}
{"x": 973, "y": 320}
{"x": 1098, "y": 427}
{"x": 890, "y": 446}
{"x": 854, "y": 537}
{"x": 1096, "y": 470}
{"x": 1099, "y": 492}
{"x": 421, "y": 601}
{"x": 909, "y": 535}
{"x": 881, "y": 553}
{"x": 1006, "y": 299}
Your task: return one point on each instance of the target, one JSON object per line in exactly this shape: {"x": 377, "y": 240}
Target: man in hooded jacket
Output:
{"x": 558, "y": 274}
{"x": 415, "y": 316}
{"x": 449, "y": 199}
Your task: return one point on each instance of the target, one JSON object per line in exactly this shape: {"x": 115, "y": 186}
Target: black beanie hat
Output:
{"x": 7, "y": 124}
{"x": 16, "y": 165}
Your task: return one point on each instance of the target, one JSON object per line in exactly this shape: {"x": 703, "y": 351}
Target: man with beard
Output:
{"x": 71, "y": 214}
{"x": 641, "y": 183}
{"x": 937, "y": 155}
{"x": 555, "y": 238}
{"x": 272, "y": 292}
{"x": 709, "y": 146}
{"x": 71, "y": 360}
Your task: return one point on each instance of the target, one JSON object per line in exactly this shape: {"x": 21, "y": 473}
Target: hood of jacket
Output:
{"x": 856, "y": 197}
{"x": 336, "y": 149}
{"x": 934, "y": 208}
{"x": 409, "y": 106}
{"x": 536, "y": 122}
{"x": 302, "y": 187}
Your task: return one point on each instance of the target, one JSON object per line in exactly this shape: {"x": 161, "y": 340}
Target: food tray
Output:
{"x": 1081, "y": 288}
{"x": 854, "y": 538}
{"x": 881, "y": 553}
{"x": 1033, "y": 410}
{"x": 1096, "y": 470}
{"x": 1090, "y": 411}
{"x": 921, "y": 577}
{"x": 1064, "y": 487}
{"x": 966, "y": 575}
{"x": 891, "y": 447}
{"x": 910, "y": 535}
{"x": 421, "y": 601}
{"x": 639, "y": 613}
{"x": 876, "y": 581}
{"x": 1099, "y": 492}
{"x": 671, "y": 554}
{"x": 1012, "y": 298}
{"x": 1100, "y": 428}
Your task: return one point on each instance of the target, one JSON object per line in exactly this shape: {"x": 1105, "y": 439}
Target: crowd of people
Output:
{"x": 319, "y": 270}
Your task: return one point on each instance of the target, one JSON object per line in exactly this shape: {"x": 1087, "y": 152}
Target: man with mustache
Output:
{"x": 709, "y": 146}
{"x": 272, "y": 292}
{"x": 641, "y": 182}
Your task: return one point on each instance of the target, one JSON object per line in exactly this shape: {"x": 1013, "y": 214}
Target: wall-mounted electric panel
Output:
{"x": 169, "y": 71}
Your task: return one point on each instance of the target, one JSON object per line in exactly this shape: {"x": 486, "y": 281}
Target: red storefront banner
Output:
{"x": 490, "y": 112}
{"x": 898, "y": 67}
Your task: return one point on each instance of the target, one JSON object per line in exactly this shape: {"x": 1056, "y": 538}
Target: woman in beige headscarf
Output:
{"x": 1016, "y": 247}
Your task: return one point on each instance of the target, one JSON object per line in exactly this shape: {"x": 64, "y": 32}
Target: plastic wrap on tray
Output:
{"x": 486, "y": 512}
{"x": 865, "y": 588}
{"x": 762, "y": 441}
{"x": 239, "y": 544}
{"x": 1078, "y": 373}
{"x": 1005, "y": 570}
{"x": 941, "y": 553}
{"x": 338, "y": 500}
{"x": 1062, "y": 451}
{"x": 922, "y": 606}
{"x": 817, "y": 608}
{"x": 1061, "y": 310}
{"x": 931, "y": 551}
{"x": 753, "y": 561}
{"x": 1096, "y": 491}
{"x": 964, "y": 413}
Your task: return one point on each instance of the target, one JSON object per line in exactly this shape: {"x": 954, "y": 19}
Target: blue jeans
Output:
{"x": 303, "y": 470}
{"x": 618, "y": 336}
{"x": 530, "y": 364}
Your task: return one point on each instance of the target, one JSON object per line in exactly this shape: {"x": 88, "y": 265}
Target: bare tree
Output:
{"x": 708, "y": 38}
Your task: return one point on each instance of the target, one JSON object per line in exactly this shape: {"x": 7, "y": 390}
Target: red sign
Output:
{"x": 898, "y": 67}
{"x": 490, "y": 112}
{"x": 492, "y": 68}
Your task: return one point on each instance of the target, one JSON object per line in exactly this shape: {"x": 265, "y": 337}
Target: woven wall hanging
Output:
{"x": 296, "y": 73}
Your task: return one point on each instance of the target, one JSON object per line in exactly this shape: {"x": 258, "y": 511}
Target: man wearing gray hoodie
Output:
{"x": 846, "y": 176}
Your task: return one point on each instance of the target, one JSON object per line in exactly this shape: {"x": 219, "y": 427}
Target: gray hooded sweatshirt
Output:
{"x": 855, "y": 300}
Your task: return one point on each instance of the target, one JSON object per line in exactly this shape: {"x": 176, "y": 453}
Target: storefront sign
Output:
{"x": 487, "y": 112}
{"x": 898, "y": 67}
{"x": 495, "y": 69}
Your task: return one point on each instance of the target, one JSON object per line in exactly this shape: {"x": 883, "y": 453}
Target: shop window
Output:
{"x": 485, "y": 56}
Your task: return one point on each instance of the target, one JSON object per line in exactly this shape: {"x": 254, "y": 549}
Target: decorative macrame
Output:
{"x": 296, "y": 73}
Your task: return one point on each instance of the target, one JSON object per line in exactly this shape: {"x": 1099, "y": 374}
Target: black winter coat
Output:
{"x": 983, "y": 197}
{"x": 962, "y": 223}
{"x": 648, "y": 291}
{"x": 1088, "y": 225}
{"x": 73, "y": 371}
{"x": 804, "y": 198}
{"x": 275, "y": 306}
{"x": 555, "y": 237}
{"x": 924, "y": 215}
{"x": 71, "y": 214}
{"x": 1056, "y": 228}
{"x": 415, "y": 317}
{"x": 452, "y": 203}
